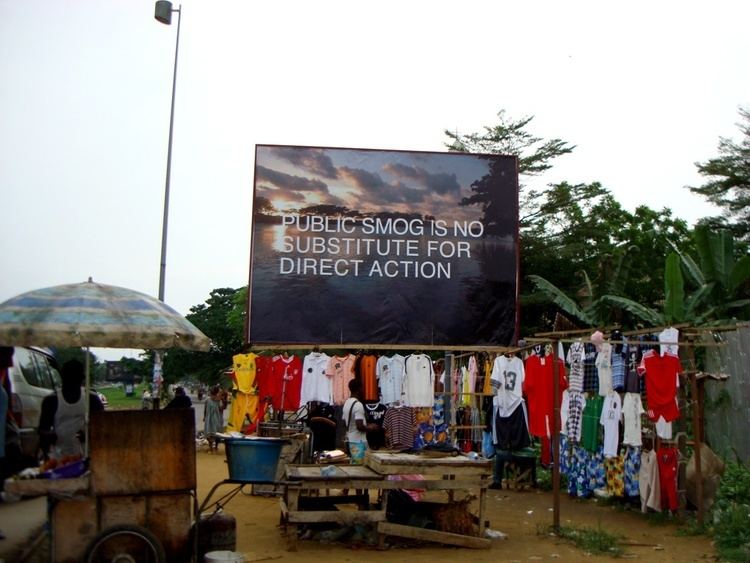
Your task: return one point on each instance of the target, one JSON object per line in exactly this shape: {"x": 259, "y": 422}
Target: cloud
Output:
{"x": 373, "y": 189}
{"x": 274, "y": 194}
{"x": 315, "y": 161}
{"x": 441, "y": 183}
{"x": 289, "y": 181}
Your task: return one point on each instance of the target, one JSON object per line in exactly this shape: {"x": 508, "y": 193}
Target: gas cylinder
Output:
{"x": 217, "y": 531}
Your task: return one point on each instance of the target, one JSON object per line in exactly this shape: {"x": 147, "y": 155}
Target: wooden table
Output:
{"x": 304, "y": 484}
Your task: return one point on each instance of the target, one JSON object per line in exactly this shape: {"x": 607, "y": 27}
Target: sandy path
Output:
{"x": 518, "y": 514}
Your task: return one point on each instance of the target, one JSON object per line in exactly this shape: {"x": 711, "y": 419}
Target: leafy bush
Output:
{"x": 732, "y": 514}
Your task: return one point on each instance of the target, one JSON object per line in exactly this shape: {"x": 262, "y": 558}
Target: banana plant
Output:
{"x": 718, "y": 282}
{"x": 591, "y": 309}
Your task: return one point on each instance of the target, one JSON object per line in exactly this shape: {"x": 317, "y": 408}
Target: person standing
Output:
{"x": 180, "y": 400}
{"x": 62, "y": 419}
{"x": 213, "y": 421}
{"x": 355, "y": 423}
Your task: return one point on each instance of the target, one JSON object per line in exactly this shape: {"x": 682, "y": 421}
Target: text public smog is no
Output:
{"x": 381, "y": 226}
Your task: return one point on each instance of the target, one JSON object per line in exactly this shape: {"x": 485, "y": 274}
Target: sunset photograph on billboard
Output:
{"x": 377, "y": 247}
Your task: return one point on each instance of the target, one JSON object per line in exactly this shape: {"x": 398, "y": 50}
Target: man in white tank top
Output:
{"x": 61, "y": 423}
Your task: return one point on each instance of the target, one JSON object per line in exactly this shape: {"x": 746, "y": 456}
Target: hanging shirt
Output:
{"x": 367, "y": 374}
{"x": 375, "y": 414}
{"x": 590, "y": 373}
{"x": 244, "y": 366}
{"x": 564, "y": 412}
{"x": 390, "y": 375}
{"x": 619, "y": 364}
{"x": 487, "y": 368}
{"x": 286, "y": 380}
{"x": 465, "y": 387}
{"x": 668, "y": 339}
{"x": 604, "y": 369}
{"x": 648, "y": 480}
{"x": 340, "y": 370}
{"x": 661, "y": 373}
{"x": 632, "y": 409}
{"x": 419, "y": 381}
{"x": 575, "y": 359}
{"x": 400, "y": 425}
{"x": 591, "y": 422}
{"x": 538, "y": 388}
{"x": 576, "y": 406}
{"x": 507, "y": 378}
{"x": 316, "y": 386}
{"x": 610, "y": 420}
{"x": 264, "y": 380}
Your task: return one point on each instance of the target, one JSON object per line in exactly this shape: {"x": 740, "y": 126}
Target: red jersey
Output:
{"x": 286, "y": 380}
{"x": 263, "y": 375}
{"x": 661, "y": 384}
{"x": 537, "y": 386}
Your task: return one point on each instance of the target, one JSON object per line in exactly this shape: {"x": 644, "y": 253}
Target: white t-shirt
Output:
{"x": 671, "y": 336}
{"x": 353, "y": 411}
{"x": 632, "y": 409}
{"x": 604, "y": 366}
{"x": 390, "y": 374}
{"x": 610, "y": 420}
{"x": 316, "y": 385}
{"x": 419, "y": 384}
{"x": 507, "y": 377}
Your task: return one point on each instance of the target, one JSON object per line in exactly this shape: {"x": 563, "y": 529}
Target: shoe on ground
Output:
{"x": 496, "y": 486}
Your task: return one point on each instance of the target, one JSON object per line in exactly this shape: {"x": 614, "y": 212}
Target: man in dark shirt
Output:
{"x": 180, "y": 401}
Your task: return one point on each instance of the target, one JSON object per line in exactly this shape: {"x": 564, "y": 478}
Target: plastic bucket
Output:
{"x": 253, "y": 460}
{"x": 224, "y": 557}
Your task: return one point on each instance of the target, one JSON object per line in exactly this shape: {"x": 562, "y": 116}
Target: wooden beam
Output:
{"x": 447, "y": 538}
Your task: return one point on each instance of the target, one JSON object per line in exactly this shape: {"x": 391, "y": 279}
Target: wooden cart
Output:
{"x": 138, "y": 499}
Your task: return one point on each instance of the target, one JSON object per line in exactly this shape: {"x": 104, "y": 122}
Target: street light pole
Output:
{"x": 163, "y": 13}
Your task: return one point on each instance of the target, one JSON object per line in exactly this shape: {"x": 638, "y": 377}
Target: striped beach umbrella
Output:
{"x": 96, "y": 315}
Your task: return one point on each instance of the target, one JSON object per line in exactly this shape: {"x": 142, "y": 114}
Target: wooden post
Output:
{"x": 555, "y": 438}
{"x": 697, "y": 430}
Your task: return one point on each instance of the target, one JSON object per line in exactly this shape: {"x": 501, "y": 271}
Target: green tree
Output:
{"x": 571, "y": 231}
{"x": 510, "y": 137}
{"x": 728, "y": 184}
{"x": 221, "y": 318}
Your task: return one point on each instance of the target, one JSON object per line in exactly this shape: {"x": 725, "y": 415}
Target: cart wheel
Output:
{"x": 125, "y": 544}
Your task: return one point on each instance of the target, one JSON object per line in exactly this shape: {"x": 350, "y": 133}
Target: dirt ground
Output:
{"x": 521, "y": 515}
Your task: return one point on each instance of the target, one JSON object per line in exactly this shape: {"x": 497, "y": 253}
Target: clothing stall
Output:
{"x": 631, "y": 410}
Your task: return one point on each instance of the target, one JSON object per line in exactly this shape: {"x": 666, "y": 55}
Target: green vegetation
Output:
{"x": 118, "y": 400}
{"x": 591, "y": 540}
{"x": 731, "y": 529}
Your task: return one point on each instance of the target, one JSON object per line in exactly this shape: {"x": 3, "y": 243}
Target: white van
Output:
{"x": 32, "y": 377}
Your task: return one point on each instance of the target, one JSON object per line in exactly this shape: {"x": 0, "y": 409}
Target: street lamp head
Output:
{"x": 163, "y": 11}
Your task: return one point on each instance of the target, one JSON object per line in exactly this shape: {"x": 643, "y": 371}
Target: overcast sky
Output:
{"x": 644, "y": 89}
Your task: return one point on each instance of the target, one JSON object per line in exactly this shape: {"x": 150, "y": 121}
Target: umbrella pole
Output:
{"x": 86, "y": 407}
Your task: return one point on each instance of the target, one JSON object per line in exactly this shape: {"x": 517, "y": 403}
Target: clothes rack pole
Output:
{"x": 697, "y": 435}
{"x": 555, "y": 439}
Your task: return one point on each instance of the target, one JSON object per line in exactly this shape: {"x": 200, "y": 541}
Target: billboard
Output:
{"x": 376, "y": 247}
